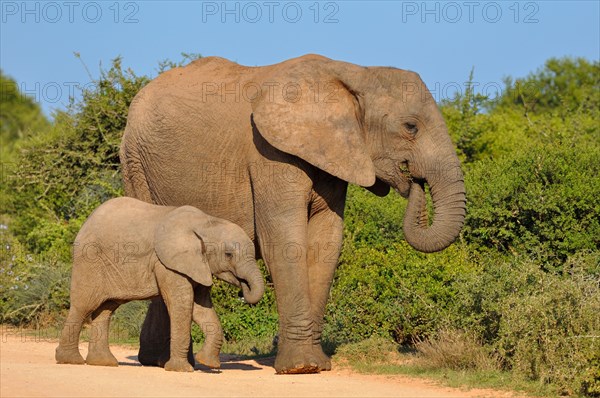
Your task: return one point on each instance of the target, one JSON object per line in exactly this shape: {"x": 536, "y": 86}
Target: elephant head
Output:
{"x": 378, "y": 127}
{"x": 195, "y": 244}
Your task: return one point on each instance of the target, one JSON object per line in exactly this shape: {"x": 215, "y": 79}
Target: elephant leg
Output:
{"x": 178, "y": 294}
{"x": 68, "y": 347}
{"x": 99, "y": 352}
{"x": 325, "y": 235}
{"x": 155, "y": 335}
{"x": 205, "y": 316}
{"x": 325, "y": 239}
{"x": 282, "y": 239}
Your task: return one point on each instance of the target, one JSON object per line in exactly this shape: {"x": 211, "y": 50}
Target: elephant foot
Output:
{"x": 296, "y": 359}
{"x": 178, "y": 365}
{"x": 208, "y": 359}
{"x": 70, "y": 356}
{"x": 148, "y": 357}
{"x": 101, "y": 358}
{"x": 162, "y": 359}
{"x": 323, "y": 360}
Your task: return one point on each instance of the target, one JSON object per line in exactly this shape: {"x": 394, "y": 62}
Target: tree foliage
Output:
{"x": 64, "y": 173}
{"x": 562, "y": 83}
{"x": 19, "y": 115}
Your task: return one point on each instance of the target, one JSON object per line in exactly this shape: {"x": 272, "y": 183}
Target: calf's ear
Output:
{"x": 180, "y": 248}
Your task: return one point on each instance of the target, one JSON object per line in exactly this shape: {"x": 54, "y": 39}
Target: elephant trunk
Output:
{"x": 448, "y": 196}
{"x": 253, "y": 285}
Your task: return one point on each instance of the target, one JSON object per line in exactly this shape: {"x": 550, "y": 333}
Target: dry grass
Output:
{"x": 455, "y": 349}
{"x": 375, "y": 350}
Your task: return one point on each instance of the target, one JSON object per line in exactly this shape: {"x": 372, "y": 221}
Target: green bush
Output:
{"x": 541, "y": 325}
{"x": 543, "y": 201}
{"x": 393, "y": 292}
{"x": 371, "y": 221}
{"x": 127, "y": 321}
{"x": 34, "y": 288}
{"x": 241, "y": 321}
{"x": 550, "y": 330}
{"x": 466, "y": 124}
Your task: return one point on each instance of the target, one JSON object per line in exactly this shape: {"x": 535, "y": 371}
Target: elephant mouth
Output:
{"x": 229, "y": 278}
{"x": 405, "y": 180}
{"x": 251, "y": 289}
{"x": 244, "y": 287}
{"x": 252, "y": 292}
{"x": 242, "y": 284}
{"x": 394, "y": 173}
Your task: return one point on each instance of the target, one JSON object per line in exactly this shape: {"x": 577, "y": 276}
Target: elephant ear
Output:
{"x": 309, "y": 112}
{"x": 180, "y": 248}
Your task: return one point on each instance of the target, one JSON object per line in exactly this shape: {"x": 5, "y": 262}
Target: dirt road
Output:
{"x": 27, "y": 369}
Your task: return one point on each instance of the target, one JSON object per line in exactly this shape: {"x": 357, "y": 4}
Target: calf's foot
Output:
{"x": 178, "y": 365}
{"x": 70, "y": 356}
{"x": 208, "y": 359}
{"x": 101, "y": 358}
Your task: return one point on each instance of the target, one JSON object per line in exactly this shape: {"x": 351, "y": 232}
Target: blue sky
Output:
{"x": 441, "y": 40}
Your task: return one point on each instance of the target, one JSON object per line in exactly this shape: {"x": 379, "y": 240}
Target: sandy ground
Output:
{"x": 28, "y": 369}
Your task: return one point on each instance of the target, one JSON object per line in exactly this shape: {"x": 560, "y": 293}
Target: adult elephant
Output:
{"x": 273, "y": 149}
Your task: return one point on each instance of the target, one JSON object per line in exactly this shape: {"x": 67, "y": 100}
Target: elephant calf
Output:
{"x": 131, "y": 250}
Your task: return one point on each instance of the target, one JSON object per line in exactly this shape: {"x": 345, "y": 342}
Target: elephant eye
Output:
{"x": 229, "y": 255}
{"x": 411, "y": 128}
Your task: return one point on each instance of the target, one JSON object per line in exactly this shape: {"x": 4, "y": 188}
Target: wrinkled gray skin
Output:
{"x": 131, "y": 250}
{"x": 273, "y": 149}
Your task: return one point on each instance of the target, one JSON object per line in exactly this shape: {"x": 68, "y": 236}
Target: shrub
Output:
{"x": 542, "y": 325}
{"x": 549, "y": 331}
{"x": 394, "y": 292}
{"x": 241, "y": 321}
{"x": 19, "y": 115}
{"x": 543, "y": 201}
{"x": 127, "y": 320}
{"x": 33, "y": 288}
{"x": 371, "y": 221}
